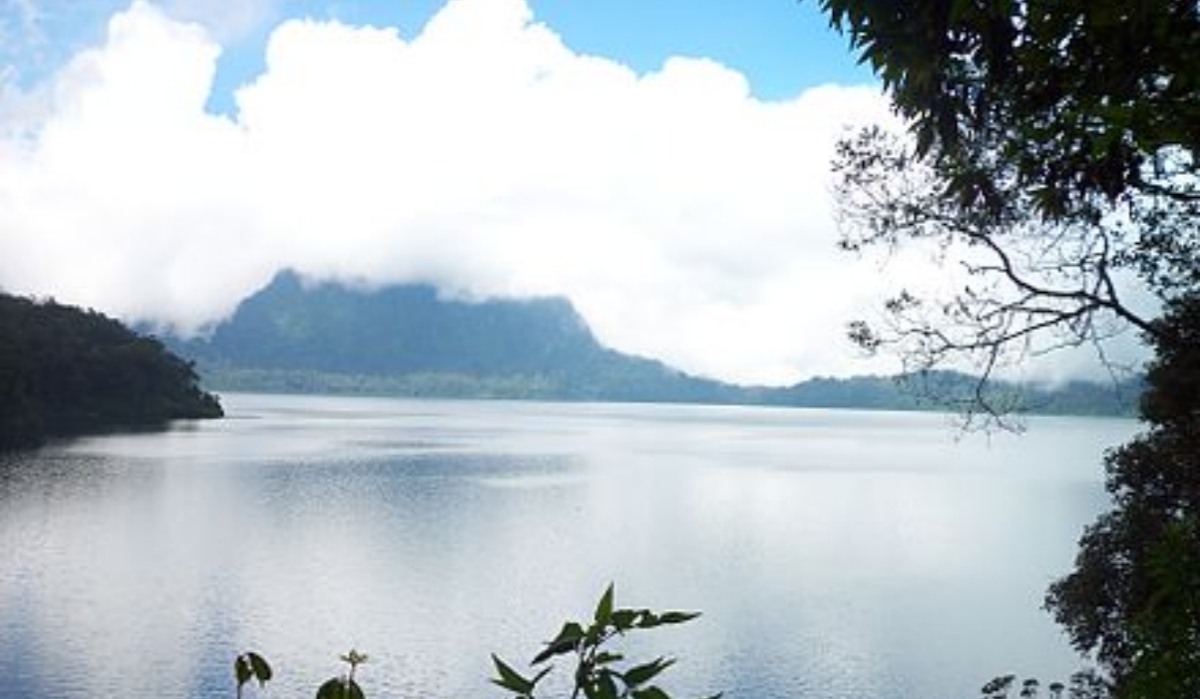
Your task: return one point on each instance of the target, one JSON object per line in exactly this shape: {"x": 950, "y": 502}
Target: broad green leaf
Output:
{"x": 340, "y": 688}
{"x": 242, "y": 670}
{"x": 644, "y": 673}
{"x": 608, "y": 688}
{"x": 262, "y": 670}
{"x": 604, "y": 609}
{"x": 510, "y": 679}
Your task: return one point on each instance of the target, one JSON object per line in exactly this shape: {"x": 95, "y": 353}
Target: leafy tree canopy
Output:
{"x": 1135, "y": 593}
{"x": 1055, "y": 158}
{"x": 1055, "y": 155}
{"x": 1085, "y": 98}
{"x": 66, "y": 371}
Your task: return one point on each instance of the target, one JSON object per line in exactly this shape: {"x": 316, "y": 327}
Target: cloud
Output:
{"x": 686, "y": 219}
{"x": 226, "y": 21}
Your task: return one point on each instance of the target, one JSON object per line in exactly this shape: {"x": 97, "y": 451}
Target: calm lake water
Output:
{"x": 835, "y": 554}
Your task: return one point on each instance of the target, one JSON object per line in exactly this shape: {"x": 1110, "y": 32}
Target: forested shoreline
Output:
{"x": 66, "y": 371}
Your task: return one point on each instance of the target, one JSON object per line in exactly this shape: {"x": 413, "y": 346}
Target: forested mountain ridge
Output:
{"x": 405, "y": 340}
{"x": 66, "y": 371}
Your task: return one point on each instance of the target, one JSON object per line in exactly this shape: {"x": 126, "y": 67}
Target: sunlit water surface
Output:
{"x": 835, "y": 554}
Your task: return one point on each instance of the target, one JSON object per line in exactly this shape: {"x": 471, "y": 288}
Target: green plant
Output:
{"x": 344, "y": 686}
{"x": 598, "y": 669}
{"x": 1085, "y": 684}
{"x": 249, "y": 666}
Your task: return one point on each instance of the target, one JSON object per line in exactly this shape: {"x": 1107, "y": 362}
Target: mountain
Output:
{"x": 296, "y": 336}
{"x": 406, "y": 340}
{"x": 66, "y": 371}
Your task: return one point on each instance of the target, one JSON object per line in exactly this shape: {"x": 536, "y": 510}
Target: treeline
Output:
{"x": 937, "y": 391}
{"x": 66, "y": 371}
{"x": 951, "y": 390}
{"x": 294, "y": 336}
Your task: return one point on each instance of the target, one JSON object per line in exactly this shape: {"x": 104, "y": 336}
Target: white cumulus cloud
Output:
{"x": 686, "y": 219}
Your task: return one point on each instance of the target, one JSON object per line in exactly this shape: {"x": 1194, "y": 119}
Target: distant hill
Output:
{"x": 294, "y": 336}
{"x": 66, "y": 371}
{"x": 406, "y": 340}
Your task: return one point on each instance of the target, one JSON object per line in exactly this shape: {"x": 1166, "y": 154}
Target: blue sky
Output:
{"x": 782, "y": 46}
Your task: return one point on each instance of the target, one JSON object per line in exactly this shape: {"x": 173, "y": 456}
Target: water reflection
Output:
{"x": 835, "y": 554}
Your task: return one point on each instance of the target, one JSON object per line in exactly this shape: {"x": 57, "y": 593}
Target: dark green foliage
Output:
{"x": 1058, "y": 141}
{"x": 340, "y": 688}
{"x": 344, "y": 687}
{"x": 251, "y": 665}
{"x": 66, "y": 371}
{"x": 1056, "y": 154}
{"x": 1134, "y": 596}
{"x": 1085, "y": 99}
{"x": 599, "y": 673}
{"x": 1085, "y": 684}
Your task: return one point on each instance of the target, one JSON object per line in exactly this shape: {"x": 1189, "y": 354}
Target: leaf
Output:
{"x": 567, "y": 641}
{"x": 260, "y": 667}
{"x": 608, "y": 688}
{"x": 242, "y": 670}
{"x": 605, "y": 658}
{"x": 648, "y": 620}
{"x": 604, "y": 609}
{"x": 340, "y": 688}
{"x": 650, "y": 693}
{"x": 509, "y": 678}
{"x": 538, "y": 677}
{"x": 602, "y": 687}
{"x": 624, "y": 619}
{"x": 644, "y": 673}
{"x": 998, "y": 685}
{"x": 677, "y": 617}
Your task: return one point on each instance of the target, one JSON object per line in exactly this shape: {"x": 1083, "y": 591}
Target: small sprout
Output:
{"x": 354, "y": 658}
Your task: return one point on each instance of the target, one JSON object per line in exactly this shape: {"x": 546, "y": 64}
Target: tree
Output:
{"x": 1135, "y": 593}
{"x": 1056, "y": 152}
{"x": 66, "y": 371}
{"x": 1029, "y": 284}
{"x": 1086, "y": 98}
{"x": 1054, "y": 156}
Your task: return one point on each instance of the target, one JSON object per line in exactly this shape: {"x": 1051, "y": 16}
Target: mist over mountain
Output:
{"x": 299, "y": 336}
{"x": 405, "y": 339}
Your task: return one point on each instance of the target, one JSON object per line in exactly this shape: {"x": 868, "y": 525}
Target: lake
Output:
{"x": 834, "y": 554}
